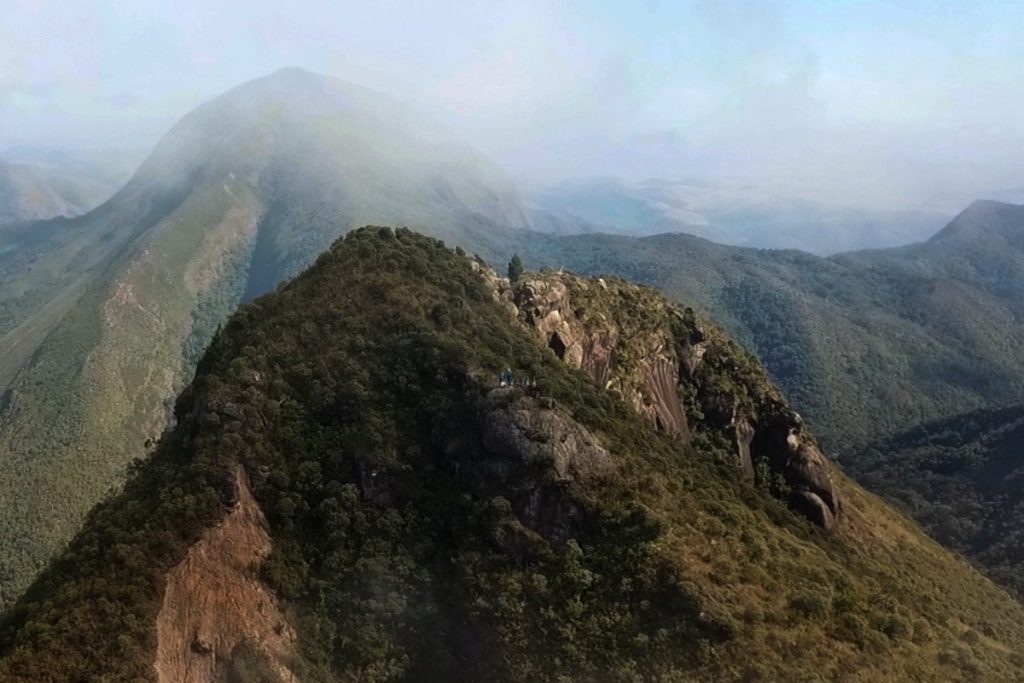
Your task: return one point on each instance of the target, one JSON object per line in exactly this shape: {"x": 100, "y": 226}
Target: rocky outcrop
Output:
{"x": 536, "y": 454}
{"x": 519, "y": 430}
{"x": 581, "y": 321}
{"x": 683, "y": 374}
{"x": 736, "y": 399}
{"x": 805, "y": 470}
{"x": 661, "y": 394}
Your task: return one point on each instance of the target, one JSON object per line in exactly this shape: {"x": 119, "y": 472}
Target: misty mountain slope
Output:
{"x": 103, "y": 316}
{"x": 40, "y": 184}
{"x": 327, "y": 156}
{"x": 961, "y": 478}
{"x": 725, "y": 211}
{"x": 348, "y": 495}
{"x": 866, "y": 343}
{"x": 29, "y": 192}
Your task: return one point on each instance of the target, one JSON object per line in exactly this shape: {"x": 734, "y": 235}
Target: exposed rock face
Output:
{"x": 623, "y": 354}
{"x": 538, "y": 453}
{"x": 743, "y": 436}
{"x": 682, "y": 374}
{"x": 750, "y": 411}
{"x": 662, "y": 389}
{"x": 518, "y": 429}
{"x": 215, "y": 605}
{"x": 722, "y": 413}
{"x": 805, "y": 469}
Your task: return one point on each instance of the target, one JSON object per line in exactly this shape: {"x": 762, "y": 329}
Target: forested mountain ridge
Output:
{"x": 103, "y": 316}
{"x": 348, "y": 494}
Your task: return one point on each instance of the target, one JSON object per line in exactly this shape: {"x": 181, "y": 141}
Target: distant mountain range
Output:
{"x": 739, "y": 213}
{"x": 45, "y": 183}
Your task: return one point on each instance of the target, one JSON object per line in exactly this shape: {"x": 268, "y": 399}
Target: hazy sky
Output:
{"x": 902, "y": 103}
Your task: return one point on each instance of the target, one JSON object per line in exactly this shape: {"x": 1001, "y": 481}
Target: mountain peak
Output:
{"x": 297, "y": 79}
{"x": 292, "y": 72}
{"x": 363, "y": 149}
{"x": 983, "y": 216}
{"x": 242, "y": 193}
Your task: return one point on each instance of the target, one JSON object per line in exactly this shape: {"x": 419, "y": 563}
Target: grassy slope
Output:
{"x": 680, "y": 572}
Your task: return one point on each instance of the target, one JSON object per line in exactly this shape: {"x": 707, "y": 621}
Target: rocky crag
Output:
{"x": 680, "y": 372}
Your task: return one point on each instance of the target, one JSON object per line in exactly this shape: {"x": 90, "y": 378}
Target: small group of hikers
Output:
{"x": 507, "y": 379}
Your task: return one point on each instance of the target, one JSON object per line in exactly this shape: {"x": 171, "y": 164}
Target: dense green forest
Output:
{"x": 962, "y": 479}
{"x": 409, "y": 545}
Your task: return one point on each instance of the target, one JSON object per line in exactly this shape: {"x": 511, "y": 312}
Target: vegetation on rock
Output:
{"x": 515, "y": 268}
{"x": 866, "y": 345}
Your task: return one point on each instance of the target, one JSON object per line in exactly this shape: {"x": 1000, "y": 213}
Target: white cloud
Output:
{"x": 889, "y": 102}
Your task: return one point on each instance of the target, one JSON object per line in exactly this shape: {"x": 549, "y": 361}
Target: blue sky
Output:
{"x": 896, "y": 103}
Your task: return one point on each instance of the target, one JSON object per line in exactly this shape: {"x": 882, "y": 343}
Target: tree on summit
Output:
{"x": 515, "y": 268}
